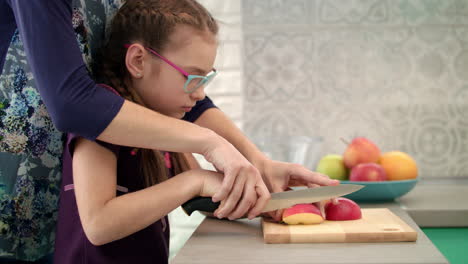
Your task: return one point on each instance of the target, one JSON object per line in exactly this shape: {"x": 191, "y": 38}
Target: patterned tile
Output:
{"x": 278, "y": 11}
{"x": 269, "y": 120}
{"x": 432, "y": 12}
{"x": 392, "y": 12}
{"x": 217, "y": 7}
{"x": 278, "y": 66}
{"x": 227, "y": 82}
{"x": 353, "y": 12}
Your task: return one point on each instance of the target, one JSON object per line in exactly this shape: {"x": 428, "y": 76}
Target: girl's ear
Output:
{"x": 134, "y": 60}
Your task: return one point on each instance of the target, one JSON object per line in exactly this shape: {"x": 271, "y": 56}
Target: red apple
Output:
{"x": 302, "y": 214}
{"x": 344, "y": 209}
{"x": 368, "y": 172}
{"x": 360, "y": 150}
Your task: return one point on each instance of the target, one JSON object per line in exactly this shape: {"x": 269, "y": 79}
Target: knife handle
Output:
{"x": 204, "y": 204}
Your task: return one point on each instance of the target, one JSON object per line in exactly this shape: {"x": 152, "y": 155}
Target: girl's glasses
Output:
{"x": 193, "y": 82}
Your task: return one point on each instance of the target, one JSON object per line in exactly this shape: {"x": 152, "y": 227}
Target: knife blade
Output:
{"x": 279, "y": 200}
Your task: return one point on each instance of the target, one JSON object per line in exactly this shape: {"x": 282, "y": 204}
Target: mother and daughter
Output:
{"x": 115, "y": 198}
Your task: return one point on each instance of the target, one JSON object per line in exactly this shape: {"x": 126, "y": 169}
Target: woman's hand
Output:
{"x": 242, "y": 191}
{"x": 279, "y": 176}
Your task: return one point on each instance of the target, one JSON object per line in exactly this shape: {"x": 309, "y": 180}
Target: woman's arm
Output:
{"x": 138, "y": 126}
{"x": 217, "y": 121}
{"x": 76, "y": 104}
{"x": 7, "y": 28}
{"x": 74, "y": 101}
{"x": 107, "y": 217}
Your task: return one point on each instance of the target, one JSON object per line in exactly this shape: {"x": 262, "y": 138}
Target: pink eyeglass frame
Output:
{"x": 205, "y": 80}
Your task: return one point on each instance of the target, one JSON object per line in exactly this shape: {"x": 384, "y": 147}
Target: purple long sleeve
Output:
{"x": 74, "y": 101}
{"x": 7, "y": 28}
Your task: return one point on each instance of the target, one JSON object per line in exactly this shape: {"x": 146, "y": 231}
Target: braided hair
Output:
{"x": 150, "y": 22}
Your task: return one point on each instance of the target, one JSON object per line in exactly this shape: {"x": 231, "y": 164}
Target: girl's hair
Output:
{"x": 151, "y": 23}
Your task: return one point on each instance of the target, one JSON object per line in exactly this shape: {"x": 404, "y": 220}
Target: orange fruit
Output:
{"x": 398, "y": 166}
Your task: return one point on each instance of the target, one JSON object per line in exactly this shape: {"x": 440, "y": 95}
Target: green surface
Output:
{"x": 452, "y": 242}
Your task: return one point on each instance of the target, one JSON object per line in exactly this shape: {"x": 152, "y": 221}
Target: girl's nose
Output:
{"x": 199, "y": 94}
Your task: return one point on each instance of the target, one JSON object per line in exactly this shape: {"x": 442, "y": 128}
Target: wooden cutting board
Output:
{"x": 376, "y": 225}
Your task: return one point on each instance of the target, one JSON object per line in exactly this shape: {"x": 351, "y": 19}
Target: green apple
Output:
{"x": 333, "y": 166}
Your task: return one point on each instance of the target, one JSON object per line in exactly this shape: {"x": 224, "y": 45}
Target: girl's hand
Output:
{"x": 279, "y": 176}
{"x": 242, "y": 191}
{"x": 208, "y": 182}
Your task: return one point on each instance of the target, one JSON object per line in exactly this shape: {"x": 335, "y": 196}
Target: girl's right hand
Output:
{"x": 208, "y": 182}
{"x": 242, "y": 191}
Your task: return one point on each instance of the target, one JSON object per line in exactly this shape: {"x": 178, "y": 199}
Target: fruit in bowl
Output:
{"x": 368, "y": 172}
{"x": 333, "y": 166}
{"x": 305, "y": 214}
{"x": 398, "y": 166}
{"x": 360, "y": 150}
{"x": 386, "y": 176}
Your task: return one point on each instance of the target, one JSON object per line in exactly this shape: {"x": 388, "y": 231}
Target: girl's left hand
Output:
{"x": 279, "y": 176}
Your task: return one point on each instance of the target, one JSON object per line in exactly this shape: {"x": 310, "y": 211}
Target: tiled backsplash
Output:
{"x": 395, "y": 71}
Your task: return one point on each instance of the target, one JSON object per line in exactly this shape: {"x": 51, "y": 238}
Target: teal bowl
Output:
{"x": 380, "y": 190}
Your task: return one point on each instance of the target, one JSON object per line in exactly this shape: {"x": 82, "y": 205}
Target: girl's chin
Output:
{"x": 174, "y": 114}
{"x": 178, "y": 115}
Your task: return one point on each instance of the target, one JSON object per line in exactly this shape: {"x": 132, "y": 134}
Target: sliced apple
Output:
{"x": 342, "y": 209}
{"x": 305, "y": 214}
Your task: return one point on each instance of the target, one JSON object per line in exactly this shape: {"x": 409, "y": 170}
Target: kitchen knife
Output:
{"x": 279, "y": 200}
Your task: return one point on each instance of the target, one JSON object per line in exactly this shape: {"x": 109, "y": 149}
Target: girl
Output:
{"x": 114, "y": 199}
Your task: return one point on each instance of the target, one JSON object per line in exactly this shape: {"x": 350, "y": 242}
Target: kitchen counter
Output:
{"x": 241, "y": 241}
{"x": 438, "y": 203}
{"x": 432, "y": 203}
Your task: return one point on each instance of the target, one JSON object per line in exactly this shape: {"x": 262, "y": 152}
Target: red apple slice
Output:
{"x": 305, "y": 214}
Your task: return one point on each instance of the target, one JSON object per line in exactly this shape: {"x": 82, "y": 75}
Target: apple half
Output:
{"x": 305, "y": 214}
{"x": 342, "y": 209}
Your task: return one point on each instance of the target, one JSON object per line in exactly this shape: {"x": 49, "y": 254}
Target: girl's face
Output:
{"x": 160, "y": 85}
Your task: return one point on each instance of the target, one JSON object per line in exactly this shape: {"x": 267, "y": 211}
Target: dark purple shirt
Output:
{"x": 149, "y": 245}
{"x": 74, "y": 101}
